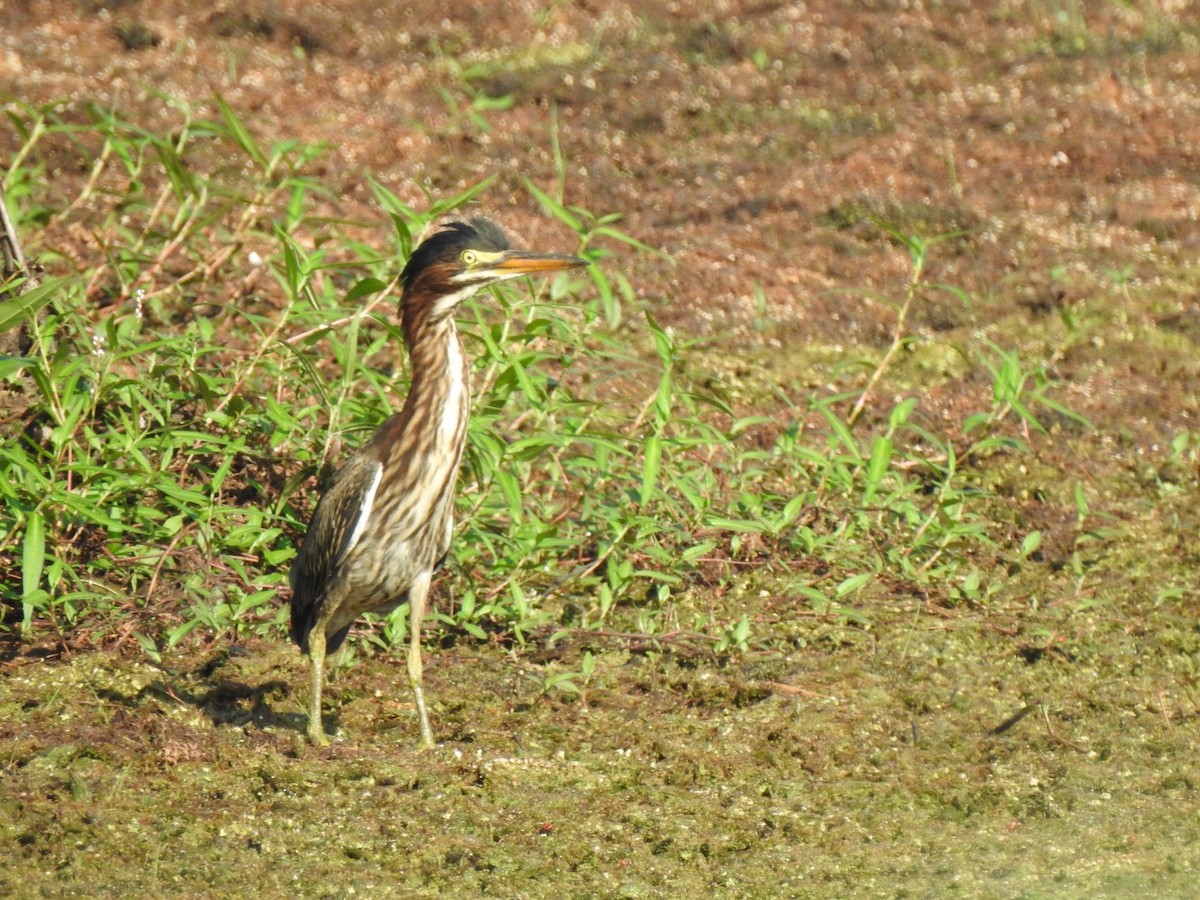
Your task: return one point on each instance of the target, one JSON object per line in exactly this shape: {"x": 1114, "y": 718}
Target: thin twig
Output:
{"x": 345, "y": 320}
{"x": 898, "y": 336}
{"x": 10, "y": 245}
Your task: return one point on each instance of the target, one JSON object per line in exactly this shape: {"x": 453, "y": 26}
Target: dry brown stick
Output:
{"x": 10, "y": 245}
{"x": 15, "y": 340}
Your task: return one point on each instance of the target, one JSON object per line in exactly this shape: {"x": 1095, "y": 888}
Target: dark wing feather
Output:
{"x": 327, "y": 541}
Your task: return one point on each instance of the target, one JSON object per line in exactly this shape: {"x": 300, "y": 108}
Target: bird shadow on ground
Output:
{"x": 226, "y": 702}
{"x": 229, "y": 688}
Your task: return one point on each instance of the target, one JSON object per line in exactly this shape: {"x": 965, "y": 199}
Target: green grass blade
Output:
{"x": 877, "y": 467}
{"x": 651, "y": 464}
{"x": 33, "y": 559}
{"x": 24, "y": 307}
{"x": 240, "y": 134}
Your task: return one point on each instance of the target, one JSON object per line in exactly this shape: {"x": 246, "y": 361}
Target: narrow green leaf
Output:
{"x": 852, "y": 584}
{"x": 33, "y": 558}
{"x": 650, "y": 468}
{"x": 148, "y": 646}
{"x": 295, "y": 205}
{"x": 10, "y": 365}
{"x": 442, "y": 207}
{"x": 364, "y": 288}
{"x": 291, "y": 268}
{"x": 1081, "y": 502}
{"x": 508, "y": 485}
{"x": 962, "y": 296}
{"x": 241, "y": 136}
{"x": 664, "y": 345}
{"x": 741, "y": 632}
{"x": 181, "y": 179}
{"x": 631, "y": 241}
{"x": 1065, "y": 412}
{"x": 850, "y": 614}
{"x": 554, "y": 208}
{"x": 743, "y": 526}
{"x": 901, "y": 412}
{"x": 972, "y": 422}
{"x": 877, "y": 467}
{"x": 24, "y": 307}
{"x": 840, "y": 430}
{"x": 817, "y": 600}
{"x": 1026, "y": 413}
{"x": 34, "y": 601}
{"x": 1032, "y": 542}
{"x": 742, "y": 424}
{"x": 791, "y": 511}
{"x": 608, "y": 300}
{"x": 696, "y": 551}
{"x": 33, "y": 553}
{"x": 403, "y": 235}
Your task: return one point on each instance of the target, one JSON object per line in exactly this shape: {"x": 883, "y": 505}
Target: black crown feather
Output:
{"x": 446, "y": 244}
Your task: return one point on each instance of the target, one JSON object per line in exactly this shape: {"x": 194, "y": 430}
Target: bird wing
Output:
{"x": 337, "y": 523}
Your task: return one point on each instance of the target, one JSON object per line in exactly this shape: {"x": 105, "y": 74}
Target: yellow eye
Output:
{"x": 469, "y": 257}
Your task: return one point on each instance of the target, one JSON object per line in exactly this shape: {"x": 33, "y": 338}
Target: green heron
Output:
{"x": 383, "y": 525}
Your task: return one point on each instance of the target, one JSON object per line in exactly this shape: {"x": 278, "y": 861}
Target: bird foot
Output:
{"x": 317, "y": 736}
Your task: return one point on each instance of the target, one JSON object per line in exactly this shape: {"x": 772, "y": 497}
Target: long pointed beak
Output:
{"x": 518, "y": 261}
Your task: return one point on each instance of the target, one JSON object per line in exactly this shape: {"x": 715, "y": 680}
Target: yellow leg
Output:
{"x": 417, "y": 595}
{"x": 316, "y": 653}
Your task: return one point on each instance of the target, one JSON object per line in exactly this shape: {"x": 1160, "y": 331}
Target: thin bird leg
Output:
{"x": 316, "y": 653}
{"x": 418, "y": 592}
